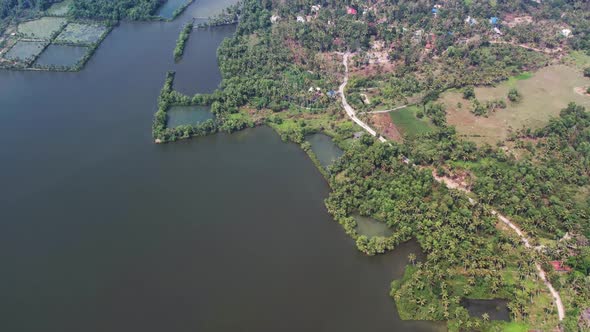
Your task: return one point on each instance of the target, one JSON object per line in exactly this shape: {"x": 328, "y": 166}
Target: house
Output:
{"x": 566, "y": 33}
{"x": 497, "y": 31}
{"x": 351, "y": 11}
{"x": 358, "y": 134}
{"x": 494, "y": 20}
{"x": 560, "y": 267}
{"x": 300, "y": 19}
{"x": 275, "y": 18}
{"x": 331, "y": 93}
{"x": 315, "y": 8}
{"x": 434, "y": 11}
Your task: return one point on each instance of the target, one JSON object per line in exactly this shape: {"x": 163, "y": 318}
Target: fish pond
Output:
{"x": 77, "y": 33}
{"x": 25, "y": 50}
{"x": 497, "y": 309}
{"x": 61, "y": 56}
{"x": 187, "y": 115}
{"x": 324, "y": 148}
{"x": 371, "y": 227}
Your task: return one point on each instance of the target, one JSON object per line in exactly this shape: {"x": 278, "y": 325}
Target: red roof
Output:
{"x": 559, "y": 267}
{"x": 351, "y": 11}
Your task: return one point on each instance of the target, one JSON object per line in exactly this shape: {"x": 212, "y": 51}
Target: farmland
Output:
{"x": 78, "y": 33}
{"x": 407, "y": 122}
{"x": 544, "y": 94}
{"x": 44, "y": 28}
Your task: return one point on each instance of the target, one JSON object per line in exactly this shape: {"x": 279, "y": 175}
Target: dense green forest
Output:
{"x": 115, "y": 9}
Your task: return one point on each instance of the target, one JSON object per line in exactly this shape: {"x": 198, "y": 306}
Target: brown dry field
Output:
{"x": 544, "y": 96}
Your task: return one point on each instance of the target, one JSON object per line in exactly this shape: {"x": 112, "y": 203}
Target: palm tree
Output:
{"x": 412, "y": 258}
{"x": 485, "y": 317}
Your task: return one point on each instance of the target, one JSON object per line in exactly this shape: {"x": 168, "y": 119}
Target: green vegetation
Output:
{"x": 514, "y": 96}
{"x": 61, "y": 8}
{"x": 82, "y": 34}
{"x": 407, "y": 121}
{"x": 181, "y": 42}
{"x": 45, "y": 28}
{"x": 115, "y": 10}
{"x": 26, "y": 51}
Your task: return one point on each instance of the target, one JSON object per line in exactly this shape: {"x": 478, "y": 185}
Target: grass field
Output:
{"x": 407, "y": 122}
{"x": 579, "y": 59}
{"x": 25, "y": 50}
{"x": 43, "y": 28}
{"x": 544, "y": 93}
{"x": 60, "y": 8}
{"x": 76, "y": 33}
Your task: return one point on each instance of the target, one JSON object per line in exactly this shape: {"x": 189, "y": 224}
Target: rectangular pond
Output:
{"x": 167, "y": 9}
{"x": 77, "y": 33}
{"x": 324, "y": 148}
{"x": 61, "y": 56}
{"x": 497, "y": 309}
{"x": 370, "y": 227}
{"x": 25, "y": 50}
{"x": 187, "y": 115}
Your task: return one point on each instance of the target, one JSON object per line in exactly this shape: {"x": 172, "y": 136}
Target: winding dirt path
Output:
{"x": 450, "y": 184}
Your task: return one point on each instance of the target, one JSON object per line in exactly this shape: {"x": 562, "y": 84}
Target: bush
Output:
{"x": 514, "y": 96}
{"x": 587, "y": 72}
{"x": 469, "y": 92}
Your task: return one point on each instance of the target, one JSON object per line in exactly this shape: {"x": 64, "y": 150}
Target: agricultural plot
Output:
{"x": 544, "y": 95}
{"x": 84, "y": 34}
{"x": 59, "y": 8}
{"x": 25, "y": 51}
{"x": 44, "y": 28}
{"x": 61, "y": 56}
{"x": 408, "y": 123}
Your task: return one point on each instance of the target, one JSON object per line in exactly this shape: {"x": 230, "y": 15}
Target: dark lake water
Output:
{"x": 497, "y": 309}
{"x": 102, "y": 230}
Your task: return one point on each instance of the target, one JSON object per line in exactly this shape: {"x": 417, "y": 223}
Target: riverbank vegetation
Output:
{"x": 182, "y": 39}
{"x": 283, "y": 68}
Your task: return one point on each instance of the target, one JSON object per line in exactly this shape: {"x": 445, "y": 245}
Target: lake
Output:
{"x": 102, "y": 230}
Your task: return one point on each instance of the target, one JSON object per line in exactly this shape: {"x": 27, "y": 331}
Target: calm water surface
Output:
{"x": 102, "y": 230}
{"x": 324, "y": 148}
{"x": 61, "y": 55}
{"x": 187, "y": 115}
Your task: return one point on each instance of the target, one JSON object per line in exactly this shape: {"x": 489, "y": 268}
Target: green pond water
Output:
{"x": 61, "y": 55}
{"x": 187, "y": 115}
{"x": 324, "y": 148}
{"x": 497, "y": 309}
{"x": 371, "y": 227}
{"x": 167, "y": 9}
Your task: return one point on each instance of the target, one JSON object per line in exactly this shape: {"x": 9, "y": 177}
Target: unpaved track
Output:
{"x": 542, "y": 275}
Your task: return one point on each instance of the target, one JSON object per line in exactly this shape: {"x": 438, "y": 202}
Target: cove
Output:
{"x": 102, "y": 230}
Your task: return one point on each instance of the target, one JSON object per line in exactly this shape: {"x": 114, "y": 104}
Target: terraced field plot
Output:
{"x": 61, "y": 56}
{"x": 25, "y": 50}
{"x": 43, "y": 28}
{"x": 77, "y": 33}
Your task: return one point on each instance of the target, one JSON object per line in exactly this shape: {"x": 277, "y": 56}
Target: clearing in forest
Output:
{"x": 77, "y": 33}
{"x": 25, "y": 50}
{"x": 408, "y": 123}
{"x": 544, "y": 95}
{"x": 43, "y": 28}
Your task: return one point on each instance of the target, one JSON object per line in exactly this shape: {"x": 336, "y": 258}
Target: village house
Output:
{"x": 300, "y": 19}
{"x": 566, "y": 33}
{"x": 275, "y": 18}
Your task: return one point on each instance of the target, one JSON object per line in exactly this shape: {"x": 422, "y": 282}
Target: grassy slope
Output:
{"x": 407, "y": 122}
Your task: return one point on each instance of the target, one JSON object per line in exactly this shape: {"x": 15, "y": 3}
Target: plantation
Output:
{"x": 25, "y": 51}
{"x": 44, "y": 28}
{"x": 78, "y": 33}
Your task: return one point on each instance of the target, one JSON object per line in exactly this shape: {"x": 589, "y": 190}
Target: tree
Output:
{"x": 469, "y": 92}
{"x": 587, "y": 71}
{"x": 485, "y": 316}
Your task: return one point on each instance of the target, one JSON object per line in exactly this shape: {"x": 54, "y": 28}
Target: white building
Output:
{"x": 275, "y": 18}
{"x": 300, "y": 19}
{"x": 566, "y": 33}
